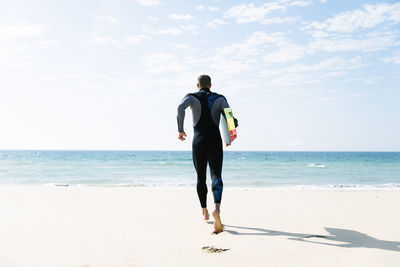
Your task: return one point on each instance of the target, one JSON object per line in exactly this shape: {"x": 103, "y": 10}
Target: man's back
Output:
{"x": 216, "y": 105}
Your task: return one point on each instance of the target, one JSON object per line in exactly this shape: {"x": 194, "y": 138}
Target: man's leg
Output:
{"x": 215, "y": 158}
{"x": 199, "y": 154}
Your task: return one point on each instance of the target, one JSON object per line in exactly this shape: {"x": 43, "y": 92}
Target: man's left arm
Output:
{"x": 226, "y": 105}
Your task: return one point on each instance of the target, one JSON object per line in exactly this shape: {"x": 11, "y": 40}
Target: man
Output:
{"x": 207, "y": 145}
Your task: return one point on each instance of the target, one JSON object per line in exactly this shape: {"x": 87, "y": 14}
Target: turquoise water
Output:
{"x": 175, "y": 169}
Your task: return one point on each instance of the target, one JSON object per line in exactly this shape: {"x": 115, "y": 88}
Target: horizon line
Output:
{"x": 174, "y": 150}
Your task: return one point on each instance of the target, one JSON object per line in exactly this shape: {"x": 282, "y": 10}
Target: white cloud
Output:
{"x": 169, "y": 31}
{"x": 180, "y": 17}
{"x": 289, "y": 52}
{"x": 252, "y": 46}
{"x": 45, "y": 43}
{"x": 148, "y": 2}
{"x": 109, "y": 40}
{"x": 151, "y": 18}
{"x": 246, "y": 13}
{"x": 342, "y": 31}
{"x": 209, "y": 8}
{"x": 366, "y": 43}
{"x": 20, "y": 30}
{"x": 183, "y": 48}
{"x": 215, "y": 23}
{"x": 229, "y": 66}
{"x": 269, "y": 48}
{"x": 320, "y": 34}
{"x": 108, "y": 19}
{"x": 311, "y": 73}
{"x": 104, "y": 40}
{"x": 157, "y": 63}
{"x": 394, "y": 58}
{"x": 191, "y": 27}
{"x": 135, "y": 39}
{"x": 278, "y": 20}
{"x": 6, "y": 52}
{"x": 226, "y": 60}
{"x": 368, "y": 17}
{"x": 213, "y": 8}
{"x": 330, "y": 64}
{"x": 323, "y": 1}
{"x": 16, "y": 55}
{"x": 242, "y": 57}
{"x": 292, "y": 79}
{"x": 365, "y": 80}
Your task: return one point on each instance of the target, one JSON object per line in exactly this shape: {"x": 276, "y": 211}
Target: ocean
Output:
{"x": 252, "y": 170}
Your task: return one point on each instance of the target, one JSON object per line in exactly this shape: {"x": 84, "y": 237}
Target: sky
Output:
{"x": 299, "y": 75}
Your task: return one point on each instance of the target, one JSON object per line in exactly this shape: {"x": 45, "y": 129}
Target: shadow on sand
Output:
{"x": 347, "y": 238}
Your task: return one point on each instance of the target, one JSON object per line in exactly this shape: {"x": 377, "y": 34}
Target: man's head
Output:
{"x": 203, "y": 81}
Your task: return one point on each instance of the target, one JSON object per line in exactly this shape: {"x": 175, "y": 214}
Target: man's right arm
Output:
{"x": 186, "y": 101}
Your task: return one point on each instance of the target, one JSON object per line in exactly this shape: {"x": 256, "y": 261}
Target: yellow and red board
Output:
{"x": 227, "y": 124}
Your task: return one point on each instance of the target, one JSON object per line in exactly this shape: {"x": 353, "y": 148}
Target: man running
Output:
{"x": 207, "y": 145}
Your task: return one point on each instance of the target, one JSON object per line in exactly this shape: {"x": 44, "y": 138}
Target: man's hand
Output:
{"x": 226, "y": 144}
{"x": 182, "y": 136}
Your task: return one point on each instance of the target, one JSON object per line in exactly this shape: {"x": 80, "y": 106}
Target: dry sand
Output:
{"x": 105, "y": 226}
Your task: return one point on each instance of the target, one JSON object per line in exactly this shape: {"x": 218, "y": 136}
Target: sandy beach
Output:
{"x": 112, "y": 226}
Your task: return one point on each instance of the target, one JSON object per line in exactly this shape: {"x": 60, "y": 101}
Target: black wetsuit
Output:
{"x": 207, "y": 148}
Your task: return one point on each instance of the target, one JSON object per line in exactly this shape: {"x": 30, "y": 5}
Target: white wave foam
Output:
{"x": 330, "y": 187}
{"x": 315, "y": 165}
{"x": 56, "y": 184}
{"x": 94, "y": 185}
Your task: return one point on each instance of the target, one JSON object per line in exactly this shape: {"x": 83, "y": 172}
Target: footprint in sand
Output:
{"x": 212, "y": 249}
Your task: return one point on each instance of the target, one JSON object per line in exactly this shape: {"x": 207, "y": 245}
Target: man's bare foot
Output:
{"x": 218, "y": 226}
{"x": 206, "y": 214}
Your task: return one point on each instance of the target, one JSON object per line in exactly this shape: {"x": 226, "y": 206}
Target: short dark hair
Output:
{"x": 204, "y": 81}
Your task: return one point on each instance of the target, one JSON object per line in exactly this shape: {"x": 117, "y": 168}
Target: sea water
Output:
{"x": 315, "y": 170}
